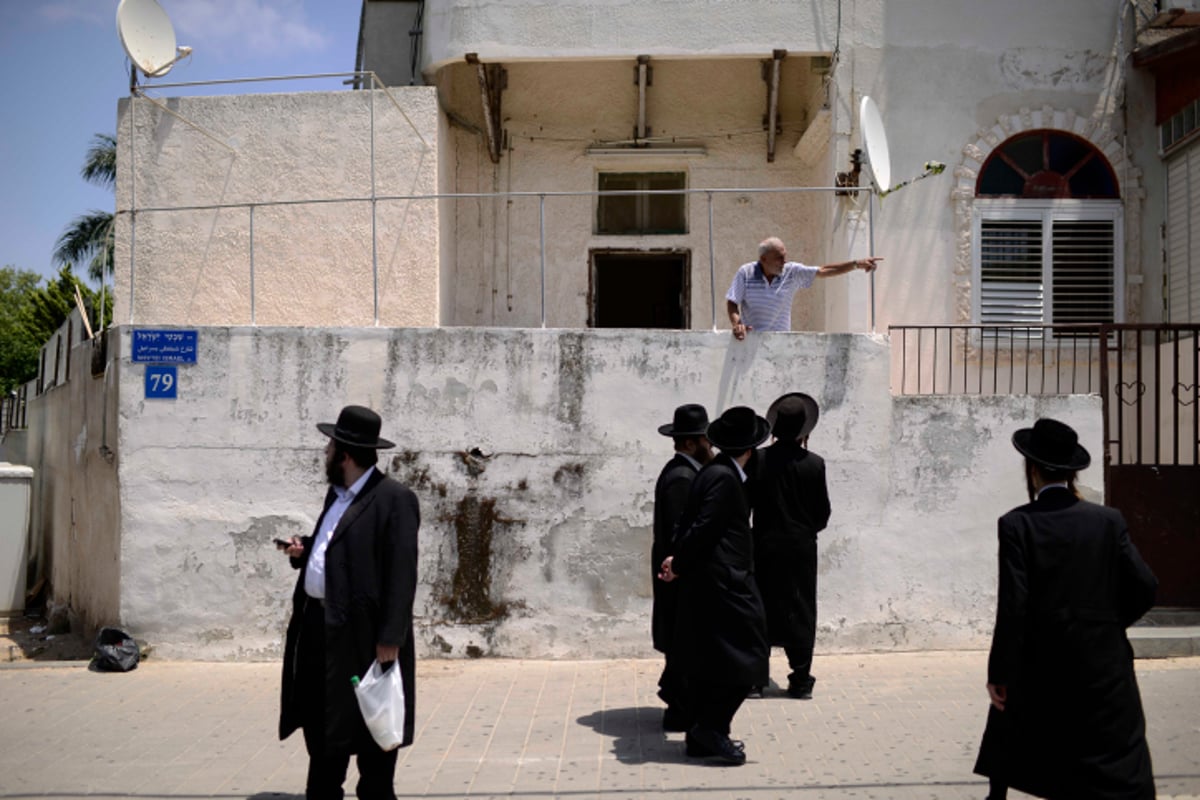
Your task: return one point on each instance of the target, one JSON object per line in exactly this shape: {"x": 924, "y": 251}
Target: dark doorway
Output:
{"x": 639, "y": 289}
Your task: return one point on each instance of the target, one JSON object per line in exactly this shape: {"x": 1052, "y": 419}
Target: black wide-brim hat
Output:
{"x": 739, "y": 428}
{"x": 356, "y": 426}
{"x": 793, "y": 416}
{"x": 1052, "y": 444}
{"x": 690, "y": 420}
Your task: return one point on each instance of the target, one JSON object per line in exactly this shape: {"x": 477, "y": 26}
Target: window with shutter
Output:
{"x": 1183, "y": 239}
{"x": 1047, "y": 262}
{"x": 1047, "y": 234}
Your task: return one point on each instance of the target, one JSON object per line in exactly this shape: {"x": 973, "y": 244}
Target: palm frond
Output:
{"x": 88, "y": 236}
{"x": 100, "y": 166}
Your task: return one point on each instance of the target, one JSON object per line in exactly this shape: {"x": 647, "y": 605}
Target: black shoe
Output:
{"x": 676, "y": 720}
{"x": 714, "y": 747}
{"x": 801, "y": 690}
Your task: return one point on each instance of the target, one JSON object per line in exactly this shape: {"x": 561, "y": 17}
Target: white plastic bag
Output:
{"x": 381, "y": 699}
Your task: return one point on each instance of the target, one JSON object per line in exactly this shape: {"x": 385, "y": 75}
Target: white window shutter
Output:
{"x": 1083, "y": 271}
{"x": 1010, "y": 272}
{"x": 1183, "y": 238}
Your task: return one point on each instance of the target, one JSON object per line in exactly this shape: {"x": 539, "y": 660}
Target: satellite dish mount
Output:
{"x": 148, "y": 38}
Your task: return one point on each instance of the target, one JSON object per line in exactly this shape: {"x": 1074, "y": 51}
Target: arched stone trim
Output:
{"x": 1095, "y": 132}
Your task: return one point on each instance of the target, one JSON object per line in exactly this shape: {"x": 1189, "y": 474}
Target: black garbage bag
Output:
{"x": 115, "y": 651}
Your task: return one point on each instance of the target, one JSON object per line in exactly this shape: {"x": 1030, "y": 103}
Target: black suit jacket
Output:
{"x": 370, "y": 584}
{"x": 1070, "y": 582}
{"x": 721, "y": 629}
{"x": 670, "y": 496}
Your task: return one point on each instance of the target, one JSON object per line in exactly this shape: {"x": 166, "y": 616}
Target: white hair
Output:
{"x": 771, "y": 244}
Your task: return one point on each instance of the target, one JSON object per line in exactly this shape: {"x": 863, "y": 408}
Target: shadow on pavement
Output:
{"x": 638, "y": 737}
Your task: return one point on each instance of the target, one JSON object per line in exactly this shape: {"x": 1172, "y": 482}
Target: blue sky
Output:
{"x": 64, "y": 70}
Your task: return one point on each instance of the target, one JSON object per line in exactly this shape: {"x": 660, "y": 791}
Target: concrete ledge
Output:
{"x": 1155, "y": 642}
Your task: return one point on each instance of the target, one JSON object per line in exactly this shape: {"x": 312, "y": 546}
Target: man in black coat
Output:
{"x": 720, "y": 631}
{"x": 1066, "y": 719}
{"x": 791, "y": 506}
{"x": 692, "y": 452}
{"x": 352, "y": 605}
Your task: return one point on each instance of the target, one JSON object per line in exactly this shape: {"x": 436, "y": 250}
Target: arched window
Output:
{"x": 1048, "y": 233}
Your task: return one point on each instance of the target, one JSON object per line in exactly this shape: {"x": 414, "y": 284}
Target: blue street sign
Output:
{"x": 161, "y": 383}
{"x": 164, "y": 347}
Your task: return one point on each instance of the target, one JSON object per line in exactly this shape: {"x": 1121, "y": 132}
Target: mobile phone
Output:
{"x": 282, "y": 544}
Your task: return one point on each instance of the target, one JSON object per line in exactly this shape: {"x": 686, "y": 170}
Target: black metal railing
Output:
{"x": 12, "y": 409}
{"x": 995, "y": 359}
{"x": 1152, "y": 394}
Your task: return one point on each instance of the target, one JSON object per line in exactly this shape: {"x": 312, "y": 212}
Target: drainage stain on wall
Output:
{"x": 470, "y": 590}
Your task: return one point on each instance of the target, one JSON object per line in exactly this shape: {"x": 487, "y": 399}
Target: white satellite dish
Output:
{"x": 875, "y": 142}
{"x": 148, "y": 37}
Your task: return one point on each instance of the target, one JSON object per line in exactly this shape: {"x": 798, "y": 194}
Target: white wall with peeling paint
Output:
{"x": 564, "y": 423}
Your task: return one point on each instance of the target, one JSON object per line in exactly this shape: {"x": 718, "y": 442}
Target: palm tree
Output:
{"x": 89, "y": 237}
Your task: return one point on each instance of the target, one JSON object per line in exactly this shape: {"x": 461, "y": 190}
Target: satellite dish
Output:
{"x": 875, "y": 142}
{"x": 148, "y": 37}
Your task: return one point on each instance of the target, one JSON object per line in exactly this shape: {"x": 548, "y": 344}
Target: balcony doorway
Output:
{"x": 639, "y": 289}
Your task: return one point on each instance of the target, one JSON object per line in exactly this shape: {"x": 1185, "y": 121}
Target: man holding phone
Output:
{"x": 352, "y": 605}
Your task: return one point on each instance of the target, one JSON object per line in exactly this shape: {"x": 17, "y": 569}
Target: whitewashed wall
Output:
{"x": 553, "y": 513}
{"x": 313, "y": 260}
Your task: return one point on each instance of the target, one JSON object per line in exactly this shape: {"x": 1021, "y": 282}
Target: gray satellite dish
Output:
{"x": 148, "y": 37}
{"x": 875, "y": 142}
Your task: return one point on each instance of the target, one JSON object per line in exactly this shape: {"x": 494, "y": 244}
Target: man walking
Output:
{"x": 352, "y": 605}
{"x": 1066, "y": 718}
{"x": 692, "y": 452}
{"x": 720, "y": 632}
{"x": 760, "y": 297}
{"x": 791, "y": 506}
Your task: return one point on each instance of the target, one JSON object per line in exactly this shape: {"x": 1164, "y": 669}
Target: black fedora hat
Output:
{"x": 793, "y": 416}
{"x": 739, "y": 428}
{"x": 356, "y": 426}
{"x": 1052, "y": 444}
{"x": 690, "y": 420}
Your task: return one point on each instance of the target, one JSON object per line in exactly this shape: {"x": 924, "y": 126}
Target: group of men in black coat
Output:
{"x": 726, "y": 590}
{"x": 1066, "y": 718}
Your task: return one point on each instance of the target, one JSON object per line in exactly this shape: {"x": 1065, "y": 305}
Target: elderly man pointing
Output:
{"x": 760, "y": 297}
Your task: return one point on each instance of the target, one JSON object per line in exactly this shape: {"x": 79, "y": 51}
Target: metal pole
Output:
{"x": 132, "y": 200}
{"x": 542, "y": 249}
{"x": 374, "y": 205}
{"x": 712, "y": 264}
{"x": 253, "y": 317}
{"x": 871, "y": 236}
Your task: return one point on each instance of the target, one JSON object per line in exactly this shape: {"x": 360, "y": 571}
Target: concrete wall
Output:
{"x": 564, "y": 29}
{"x": 311, "y": 262}
{"x": 534, "y": 455}
{"x": 71, "y": 443}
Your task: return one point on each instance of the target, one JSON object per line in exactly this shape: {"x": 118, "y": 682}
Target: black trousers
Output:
{"x": 672, "y": 684}
{"x": 715, "y": 704}
{"x": 802, "y": 602}
{"x": 327, "y": 769}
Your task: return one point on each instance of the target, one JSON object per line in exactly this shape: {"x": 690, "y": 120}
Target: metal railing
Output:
{"x": 12, "y": 409}
{"x": 995, "y": 359}
{"x": 717, "y": 295}
{"x": 1153, "y": 393}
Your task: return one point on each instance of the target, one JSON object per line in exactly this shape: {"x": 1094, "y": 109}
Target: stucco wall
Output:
{"x": 71, "y": 443}
{"x": 539, "y": 29}
{"x": 534, "y": 454}
{"x": 312, "y": 258}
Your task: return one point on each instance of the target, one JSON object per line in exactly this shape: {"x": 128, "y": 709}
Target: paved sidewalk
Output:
{"x": 880, "y": 726}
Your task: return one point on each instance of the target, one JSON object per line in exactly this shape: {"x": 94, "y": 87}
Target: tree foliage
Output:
{"x": 18, "y": 351}
{"x": 30, "y": 314}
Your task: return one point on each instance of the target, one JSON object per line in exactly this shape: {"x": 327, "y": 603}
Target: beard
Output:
{"x": 335, "y": 471}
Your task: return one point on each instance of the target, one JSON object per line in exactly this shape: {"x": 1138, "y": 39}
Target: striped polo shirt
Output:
{"x": 768, "y": 306}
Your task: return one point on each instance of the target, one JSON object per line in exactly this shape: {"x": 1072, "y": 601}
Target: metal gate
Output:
{"x": 1148, "y": 376}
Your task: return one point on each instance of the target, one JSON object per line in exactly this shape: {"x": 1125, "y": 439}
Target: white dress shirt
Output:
{"x": 314, "y": 577}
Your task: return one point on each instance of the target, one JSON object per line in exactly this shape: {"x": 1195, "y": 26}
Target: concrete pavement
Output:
{"x": 880, "y": 726}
